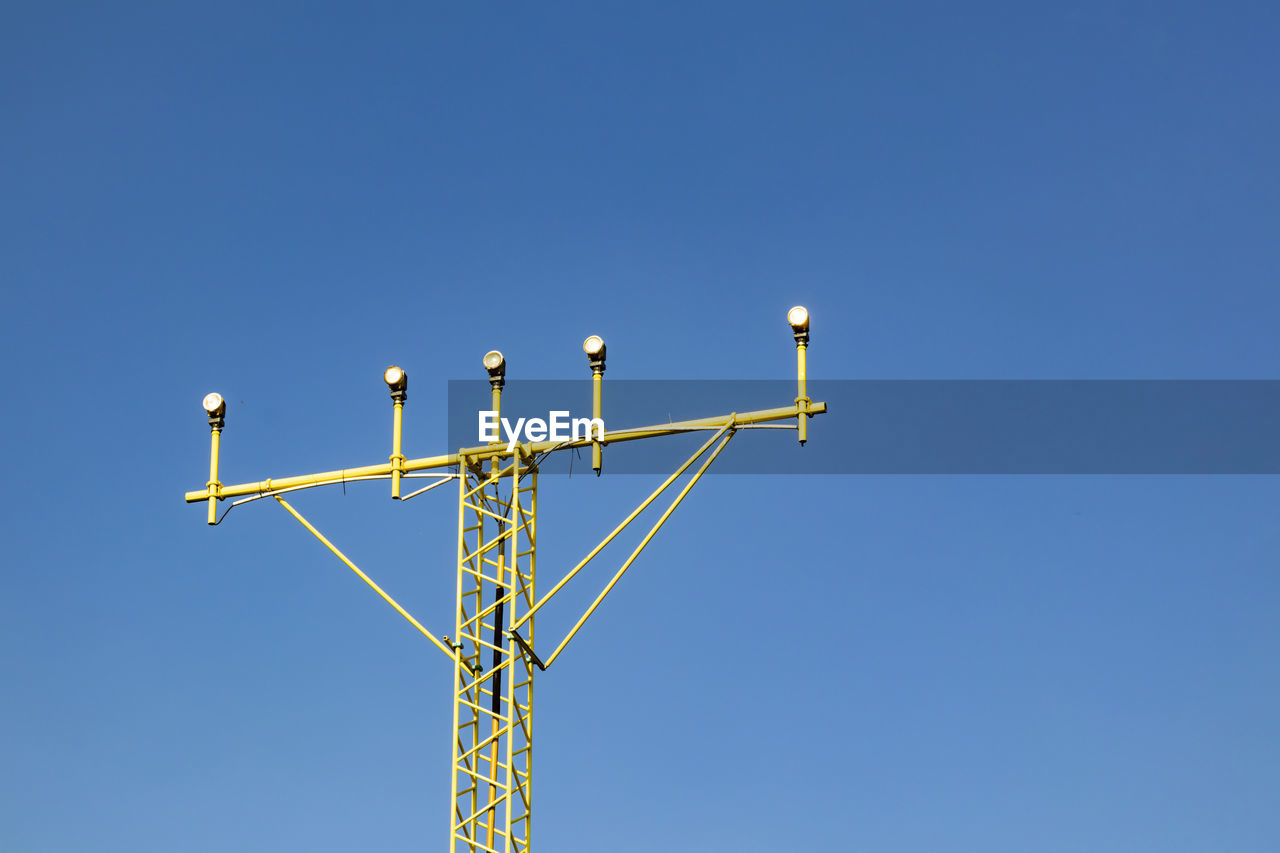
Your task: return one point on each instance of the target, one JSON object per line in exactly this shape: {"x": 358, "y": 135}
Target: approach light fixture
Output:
{"x": 491, "y": 663}
{"x": 396, "y": 379}
{"x": 595, "y": 350}
{"x": 214, "y": 405}
{"x": 798, "y": 317}
{"x": 497, "y": 367}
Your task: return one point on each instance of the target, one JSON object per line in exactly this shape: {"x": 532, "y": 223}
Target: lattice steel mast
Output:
{"x": 493, "y": 641}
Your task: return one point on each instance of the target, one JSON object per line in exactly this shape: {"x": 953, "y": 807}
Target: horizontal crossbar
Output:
{"x": 499, "y": 451}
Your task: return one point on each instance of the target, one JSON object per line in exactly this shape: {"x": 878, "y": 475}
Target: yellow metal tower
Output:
{"x": 492, "y": 647}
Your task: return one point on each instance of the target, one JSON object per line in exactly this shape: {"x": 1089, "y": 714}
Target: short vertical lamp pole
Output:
{"x": 798, "y": 318}
{"x": 398, "y": 383}
{"x": 216, "y": 408}
{"x": 496, "y": 365}
{"x": 595, "y": 349}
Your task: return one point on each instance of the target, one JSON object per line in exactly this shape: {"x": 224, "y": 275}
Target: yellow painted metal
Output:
{"x": 213, "y": 486}
{"x": 457, "y": 654}
{"x": 494, "y": 736}
{"x": 643, "y": 542}
{"x": 491, "y": 736}
{"x": 397, "y": 458}
{"x": 486, "y": 452}
{"x": 493, "y": 682}
{"x": 626, "y": 521}
{"x": 802, "y": 394}
{"x": 496, "y": 404}
{"x": 530, "y": 595}
{"x": 597, "y": 380}
{"x": 343, "y": 557}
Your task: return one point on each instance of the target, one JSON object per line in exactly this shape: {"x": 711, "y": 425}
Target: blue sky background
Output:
{"x": 278, "y": 200}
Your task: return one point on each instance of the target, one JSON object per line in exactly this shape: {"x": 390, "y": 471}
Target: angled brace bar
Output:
{"x": 440, "y": 482}
{"x": 528, "y": 650}
{"x": 626, "y": 521}
{"x": 451, "y": 653}
{"x": 643, "y": 542}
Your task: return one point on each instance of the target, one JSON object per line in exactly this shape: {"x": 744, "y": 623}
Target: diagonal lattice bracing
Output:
{"x": 493, "y": 682}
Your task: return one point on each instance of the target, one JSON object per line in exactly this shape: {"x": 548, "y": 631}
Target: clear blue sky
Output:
{"x": 278, "y": 200}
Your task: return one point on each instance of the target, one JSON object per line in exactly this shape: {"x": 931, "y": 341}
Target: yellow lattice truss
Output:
{"x": 493, "y": 680}
{"x": 492, "y": 648}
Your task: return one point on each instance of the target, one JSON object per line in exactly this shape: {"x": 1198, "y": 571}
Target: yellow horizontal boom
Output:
{"x": 499, "y": 451}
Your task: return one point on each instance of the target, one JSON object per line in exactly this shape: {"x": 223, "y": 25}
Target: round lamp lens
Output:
{"x": 493, "y": 360}
{"x": 212, "y": 402}
{"x": 593, "y": 345}
{"x": 798, "y": 317}
{"x": 393, "y": 376}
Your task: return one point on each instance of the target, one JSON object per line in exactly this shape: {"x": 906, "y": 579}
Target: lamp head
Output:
{"x": 595, "y": 349}
{"x": 496, "y": 365}
{"x": 798, "y": 318}
{"x": 216, "y": 408}
{"x": 398, "y": 381}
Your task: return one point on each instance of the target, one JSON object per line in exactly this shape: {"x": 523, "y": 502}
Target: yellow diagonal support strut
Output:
{"x": 643, "y": 542}
{"x": 625, "y": 522}
{"x": 388, "y": 599}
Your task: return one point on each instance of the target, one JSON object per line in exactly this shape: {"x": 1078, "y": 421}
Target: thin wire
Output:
{"x": 537, "y": 460}
{"x": 577, "y": 451}
{"x": 343, "y": 481}
{"x": 449, "y": 477}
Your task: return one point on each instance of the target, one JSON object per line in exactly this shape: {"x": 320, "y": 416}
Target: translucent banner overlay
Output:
{"x": 916, "y": 426}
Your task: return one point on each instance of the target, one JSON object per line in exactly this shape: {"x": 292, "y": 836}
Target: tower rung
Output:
{"x": 494, "y": 738}
{"x": 492, "y": 805}
{"x": 479, "y": 710}
{"x": 485, "y": 643}
{"x": 470, "y": 842}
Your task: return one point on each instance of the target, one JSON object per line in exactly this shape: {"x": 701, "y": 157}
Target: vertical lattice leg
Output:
{"x": 493, "y": 682}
